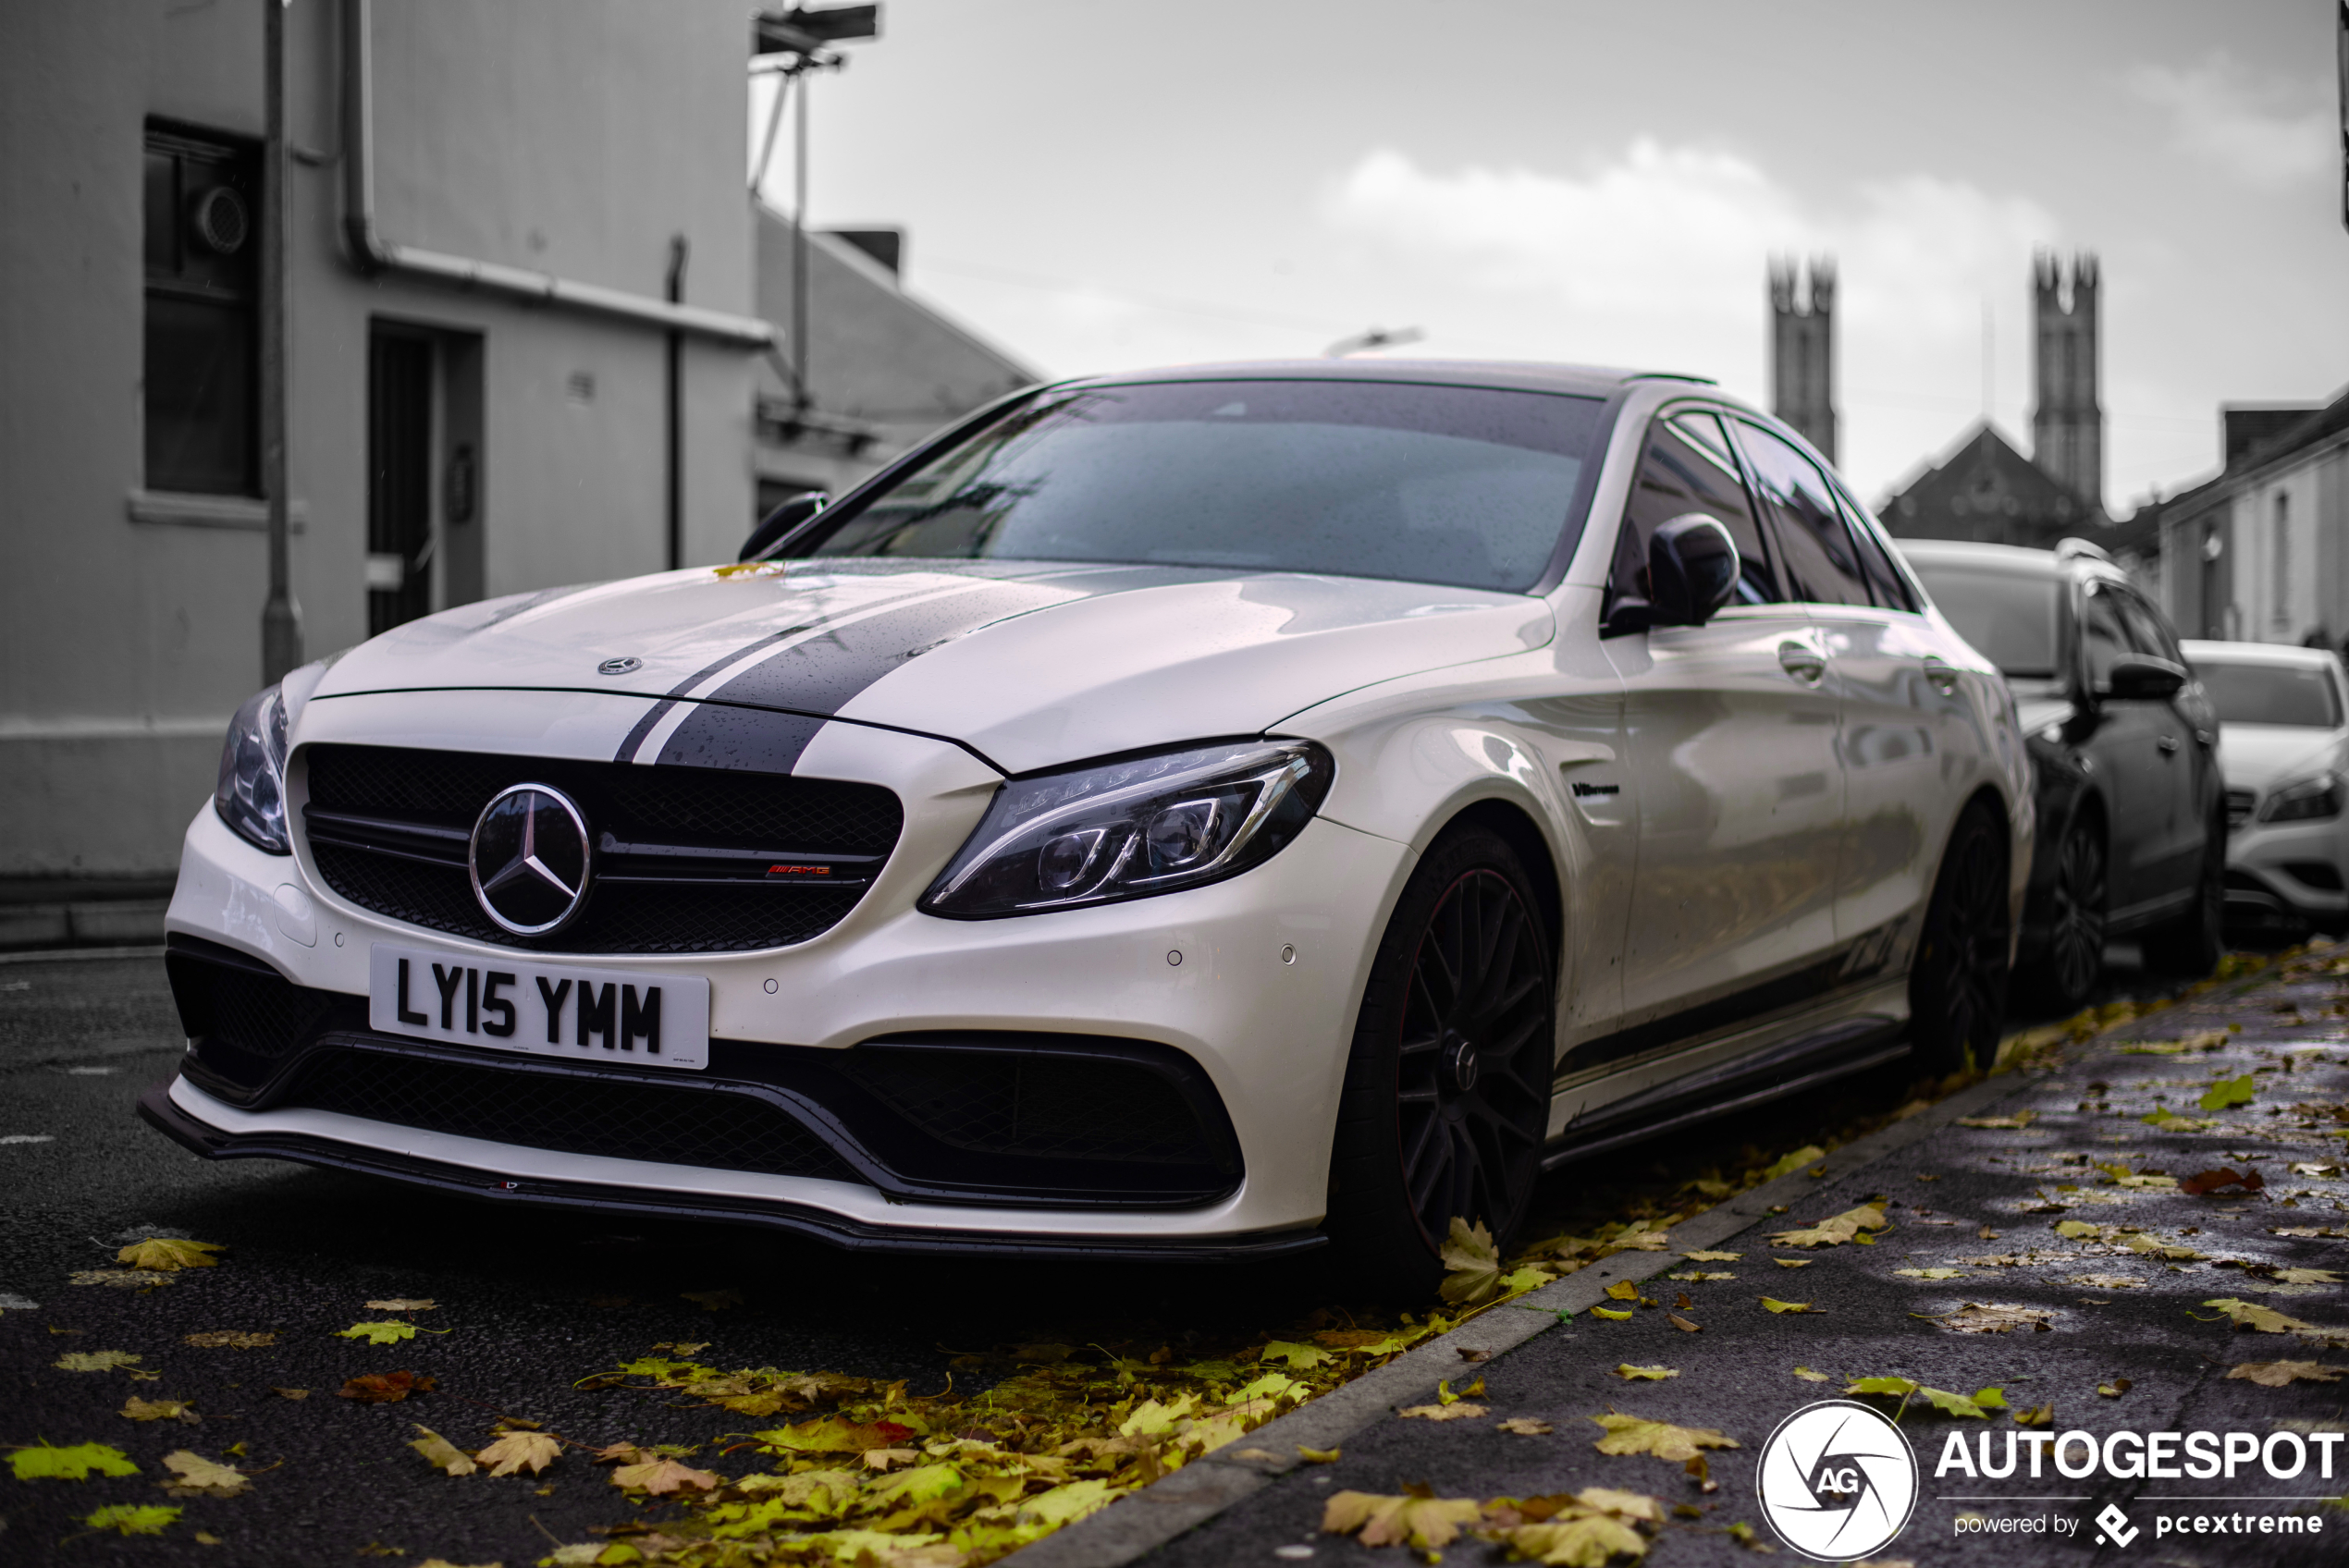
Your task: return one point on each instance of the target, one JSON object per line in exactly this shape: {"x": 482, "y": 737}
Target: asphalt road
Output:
{"x": 531, "y": 1303}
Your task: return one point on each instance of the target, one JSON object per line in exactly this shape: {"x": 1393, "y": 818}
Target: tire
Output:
{"x": 1958, "y": 981}
{"x": 1447, "y": 1085}
{"x": 2190, "y": 947}
{"x": 2065, "y": 975}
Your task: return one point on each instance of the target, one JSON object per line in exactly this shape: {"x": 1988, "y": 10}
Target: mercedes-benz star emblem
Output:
{"x": 529, "y": 859}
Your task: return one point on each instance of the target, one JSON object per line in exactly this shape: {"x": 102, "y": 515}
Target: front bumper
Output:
{"x": 2289, "y": 870}
{"x": 1261, "y": 999}
{"x": 457, "y": 1166}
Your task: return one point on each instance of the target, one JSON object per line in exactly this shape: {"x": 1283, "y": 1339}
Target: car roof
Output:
{"x": 2200, "y": 650}
{"x": 1593, "y": 381}
{"x": 2011, "y": 559}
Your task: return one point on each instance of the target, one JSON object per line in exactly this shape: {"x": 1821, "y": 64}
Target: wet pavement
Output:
{"x": 2129, "y": 1343}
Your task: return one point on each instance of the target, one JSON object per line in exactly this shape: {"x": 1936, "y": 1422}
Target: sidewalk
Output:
{"x": 2073, "y": 1215}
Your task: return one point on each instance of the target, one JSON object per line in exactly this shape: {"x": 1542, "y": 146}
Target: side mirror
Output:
{"x": 781, "y": 523}
{"x": 2136, "y": 678}
{"x": 1692, "y": 568}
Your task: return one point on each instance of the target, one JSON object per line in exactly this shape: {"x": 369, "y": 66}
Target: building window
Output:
{"x": 2279, "y": 609}
{"x": 203, "y": 282}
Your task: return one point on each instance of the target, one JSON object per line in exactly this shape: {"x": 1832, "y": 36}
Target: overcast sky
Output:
{"x": 1100, "y": 184}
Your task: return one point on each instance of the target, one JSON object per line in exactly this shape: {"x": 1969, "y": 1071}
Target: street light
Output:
{"x": 798, "y": 37}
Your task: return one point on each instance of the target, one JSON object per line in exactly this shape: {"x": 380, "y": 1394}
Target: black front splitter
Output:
{"x": 158, "y": 1109}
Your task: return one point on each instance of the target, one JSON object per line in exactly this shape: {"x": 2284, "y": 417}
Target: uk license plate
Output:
{"x": 657, "y": 1020}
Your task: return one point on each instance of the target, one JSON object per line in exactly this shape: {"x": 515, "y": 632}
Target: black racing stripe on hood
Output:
{"x": 659, "y": 710}
{"x": 821, "y": 673}
{"x": 753, "y": 739}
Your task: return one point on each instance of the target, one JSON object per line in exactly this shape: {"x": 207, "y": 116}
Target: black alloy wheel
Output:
{"x": 2066, "y": 974}
{"x": 1447, "y": 1091}
{"x": 2190, "y": 947}
{"x": 1958, "y": 983}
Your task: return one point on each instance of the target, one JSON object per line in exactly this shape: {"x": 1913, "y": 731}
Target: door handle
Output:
{"x": 2168, "y": 744}
{"x": 1802, "y": 661}
{"x": 1941, "y": 674}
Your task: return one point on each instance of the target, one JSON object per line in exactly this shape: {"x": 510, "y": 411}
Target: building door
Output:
{"x": 400, "y": 446}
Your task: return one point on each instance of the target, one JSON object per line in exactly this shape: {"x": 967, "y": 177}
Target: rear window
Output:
{"x": 2270, "y": 694}
{"x": 2009, "y": 617}
{"x": 1469, "y": 487}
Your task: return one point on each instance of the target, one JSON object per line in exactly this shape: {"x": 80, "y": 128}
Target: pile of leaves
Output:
{"x": 1054, "y": 1432}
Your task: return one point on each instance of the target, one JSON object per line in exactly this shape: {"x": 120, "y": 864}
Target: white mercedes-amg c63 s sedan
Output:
{"x": 1210, "y": 811}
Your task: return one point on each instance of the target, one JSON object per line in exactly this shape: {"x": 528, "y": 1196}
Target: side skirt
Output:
{"x": 1838, "y": 1052}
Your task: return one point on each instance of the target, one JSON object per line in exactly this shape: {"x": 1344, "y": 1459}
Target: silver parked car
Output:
{"x": 2284, "y": 747}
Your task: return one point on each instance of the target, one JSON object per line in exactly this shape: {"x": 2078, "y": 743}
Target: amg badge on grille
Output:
{"x": 529, "y": 859}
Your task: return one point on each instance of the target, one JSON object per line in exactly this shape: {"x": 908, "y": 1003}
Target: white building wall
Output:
{"x": 569, "y": 135}
{"x": 2280, "y": 593}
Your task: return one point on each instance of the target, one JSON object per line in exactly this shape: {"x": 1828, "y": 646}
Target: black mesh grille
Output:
{"x": 1042, "y": 1104}
{"x": 705, "y": 807}
{"x": 773, "y": 811}
{"x": 709, "y": 1128}
{"x": 265, "y": 1016}
{"x": 618, "y": 919}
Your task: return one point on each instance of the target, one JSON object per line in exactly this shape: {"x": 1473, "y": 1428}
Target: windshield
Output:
{"x": 1467, "y": 486}
{"x": 2009, "y": 617}
{"x": 2271, "y": 693}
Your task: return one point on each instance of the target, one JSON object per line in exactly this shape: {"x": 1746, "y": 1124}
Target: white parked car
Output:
{"x": 1217, "y": 811}
{"x": 2284, "y": 749}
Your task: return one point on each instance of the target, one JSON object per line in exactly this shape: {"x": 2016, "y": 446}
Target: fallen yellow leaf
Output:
{"x": 201, "y": 1476}
{"x": 2276, "y": 1374}
{"x": 168, "y": 1253}
{"x": 1474, "y": 1264}
{"x": 516, "y": 1451}
{"x": 1632, "y": 1434}
{"x": 661, "y": 1476}
{"x": 1425, "y": 1523}
{"x": 442, "y": 1454}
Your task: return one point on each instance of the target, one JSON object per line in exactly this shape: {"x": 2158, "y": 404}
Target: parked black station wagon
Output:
{"x": 2123, "y": 739}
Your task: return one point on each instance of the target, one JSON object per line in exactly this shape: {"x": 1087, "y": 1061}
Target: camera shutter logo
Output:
{"x": 1837, "y": 1481}
{"x": 529, "y": 860}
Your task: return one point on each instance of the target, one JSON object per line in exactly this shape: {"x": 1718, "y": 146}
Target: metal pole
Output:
{"x": 676, "y": 390}
{"x": 799, "y": 244}
{"x": 280, "y": 617}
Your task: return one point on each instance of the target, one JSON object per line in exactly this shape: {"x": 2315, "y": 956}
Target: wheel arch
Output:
{"x": 1510, "y": 822}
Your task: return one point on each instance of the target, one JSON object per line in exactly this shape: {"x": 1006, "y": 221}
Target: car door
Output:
{"x": 2183, "y": 744}
{"x": 1892, "y": 694}
{"x": 1730, "y": 728}
{"x": 2131, "y": 770}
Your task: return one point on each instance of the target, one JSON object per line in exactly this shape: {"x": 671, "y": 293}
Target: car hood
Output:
{"x": 2259, "y": 756}
{"x": 1028, "y": 666}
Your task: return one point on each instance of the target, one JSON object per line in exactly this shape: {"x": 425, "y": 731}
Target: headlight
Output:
{"x": 2304, "y": 798}
{"x": 1129, "y": 830}
{"x": 251, "y": 795}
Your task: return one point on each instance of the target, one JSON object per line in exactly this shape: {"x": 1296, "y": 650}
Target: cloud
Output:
{"x": 2221, "y": 114}
{"x": 1656, "y": 256}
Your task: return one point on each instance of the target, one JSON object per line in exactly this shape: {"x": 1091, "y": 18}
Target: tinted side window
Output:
{"x": 2147, "y": 628}
{"x": 1885, "y": 580}
{"x": 1821, "y": 566}
{"x": 2102, "y": 635}
{"x": 1687, "y": 468}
